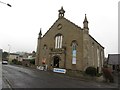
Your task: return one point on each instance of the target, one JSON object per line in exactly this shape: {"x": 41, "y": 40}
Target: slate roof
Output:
{"x": 114, "y": 59}
{"x": 14, "y": 54}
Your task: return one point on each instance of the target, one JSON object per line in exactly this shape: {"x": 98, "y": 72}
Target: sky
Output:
{"x": 21, "y": 23}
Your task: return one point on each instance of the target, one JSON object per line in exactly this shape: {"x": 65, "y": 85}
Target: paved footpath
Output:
{"x": 100, "y": 81}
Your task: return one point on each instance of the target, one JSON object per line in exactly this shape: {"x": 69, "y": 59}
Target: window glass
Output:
{"x": 74, "y": 52}
{"x": 58, "y": 41}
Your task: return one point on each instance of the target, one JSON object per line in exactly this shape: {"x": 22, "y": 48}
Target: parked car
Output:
{"x": 4, "y": 62}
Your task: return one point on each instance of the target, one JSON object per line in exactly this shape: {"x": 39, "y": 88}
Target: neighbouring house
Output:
{"x": 13, "y": 56}
{"x": 113, "y": 62}
{"x": 68, "y": 46}
{"x": 24, "y": 58}
{"x": 30, "y": 60}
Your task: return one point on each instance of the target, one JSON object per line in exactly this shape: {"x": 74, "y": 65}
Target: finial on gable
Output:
{"x": 85, "y": 23}
{"x": 61, "y": 12}
{"x": 85, "y": 20}
{"x": 40, "y": 34}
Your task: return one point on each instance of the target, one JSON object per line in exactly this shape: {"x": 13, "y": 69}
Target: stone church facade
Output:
{"x": 68, "y": 46}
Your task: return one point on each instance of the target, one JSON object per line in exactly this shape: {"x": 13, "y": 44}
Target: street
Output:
{"x": 24, "y": 77}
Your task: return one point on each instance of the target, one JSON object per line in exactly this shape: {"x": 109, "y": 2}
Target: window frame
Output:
{"x": 58, "y": 41}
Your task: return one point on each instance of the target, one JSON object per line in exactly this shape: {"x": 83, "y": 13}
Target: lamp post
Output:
{"x": 6, "y": 4}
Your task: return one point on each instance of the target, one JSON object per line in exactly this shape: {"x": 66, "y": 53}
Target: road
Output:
{"x": 23, "y": 77}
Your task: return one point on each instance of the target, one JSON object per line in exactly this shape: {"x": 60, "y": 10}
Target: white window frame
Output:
{"x": 58, "y": 41}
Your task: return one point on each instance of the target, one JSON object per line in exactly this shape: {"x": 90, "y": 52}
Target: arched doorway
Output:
{"x": 56, "y": 60}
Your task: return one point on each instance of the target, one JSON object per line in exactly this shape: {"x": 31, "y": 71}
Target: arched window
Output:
{"x": 74, "y": 51}
{"x": 58, "y": 41}
{"x": 74, "y": 46}
{"x": 98, "y": 57}
{"x": 44, "y": 49}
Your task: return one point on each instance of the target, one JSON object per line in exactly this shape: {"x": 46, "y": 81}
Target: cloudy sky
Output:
{"x": 21, "y": 23}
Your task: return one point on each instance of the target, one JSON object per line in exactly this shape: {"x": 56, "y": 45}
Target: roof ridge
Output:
{"x": 57, "y": 20}
{"x": 73, "y": 23}
{"x": 50, "y": 27}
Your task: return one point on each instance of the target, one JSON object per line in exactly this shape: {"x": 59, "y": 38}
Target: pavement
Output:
{"x": 100, "y": 80}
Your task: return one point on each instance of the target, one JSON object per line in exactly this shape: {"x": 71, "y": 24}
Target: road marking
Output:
{"x": 8, "y": 83}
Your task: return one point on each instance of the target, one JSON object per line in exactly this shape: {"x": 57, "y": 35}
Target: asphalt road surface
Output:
{"x": 23, "y": 77}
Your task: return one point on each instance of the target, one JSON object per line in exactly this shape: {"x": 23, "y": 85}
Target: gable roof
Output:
{"x": 96, "y": 41}
{"x": 114, "y": 59}
{"x": 58, "y": 20}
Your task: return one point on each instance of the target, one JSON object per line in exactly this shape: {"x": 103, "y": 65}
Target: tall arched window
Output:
{"x": 98, "y": 60}
{"x": 58, "y": 41}
{"x": 102, "y": 57}
{"x": 98, "y": 57}
{"x": 74, "y": 52}
{"x": 44, "y": 49}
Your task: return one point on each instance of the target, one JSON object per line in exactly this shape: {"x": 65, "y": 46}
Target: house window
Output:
{"x": 93, "y": 55}
{"x": 58, "y": 41}
{"x": 98, "y": 57}
{"x": 74, "y": 45}
{"x": 102, "y": 58}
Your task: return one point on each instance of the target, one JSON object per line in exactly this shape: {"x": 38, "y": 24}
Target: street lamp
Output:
{"x": 6, "y": 4}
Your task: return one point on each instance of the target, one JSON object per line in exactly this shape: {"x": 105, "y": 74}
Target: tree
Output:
{"x": 5, "y": 55}
{"x": 33, "y": 54}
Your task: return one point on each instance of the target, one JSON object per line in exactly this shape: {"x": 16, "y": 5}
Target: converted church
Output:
{"x": 68, "y": 46}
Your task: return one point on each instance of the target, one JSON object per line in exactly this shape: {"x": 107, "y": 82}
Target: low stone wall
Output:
{"x": 75, "y": 73}
{"x": 82, "y": 75}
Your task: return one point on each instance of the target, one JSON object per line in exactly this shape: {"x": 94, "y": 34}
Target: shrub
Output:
{"x": 107, "y": 74}
{"x": 99, "y": 74}
{"x": 19, "y": 63}
{"x": 32, "y": 61}
{"x": 15, "y": 61}
{"x": 91, "y": 71}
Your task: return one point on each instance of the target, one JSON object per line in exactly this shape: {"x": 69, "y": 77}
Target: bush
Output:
{"x": 91, "y": 71}
{"x": 107, "y": 74}
{"x": 19, "y": 63}
{"x": 99, "y": 74}
{"x": 15, "y": 61}
{"x": 32, "y": 61}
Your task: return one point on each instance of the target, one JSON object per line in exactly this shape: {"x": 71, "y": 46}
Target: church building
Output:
{"x": 68, "y": 46}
